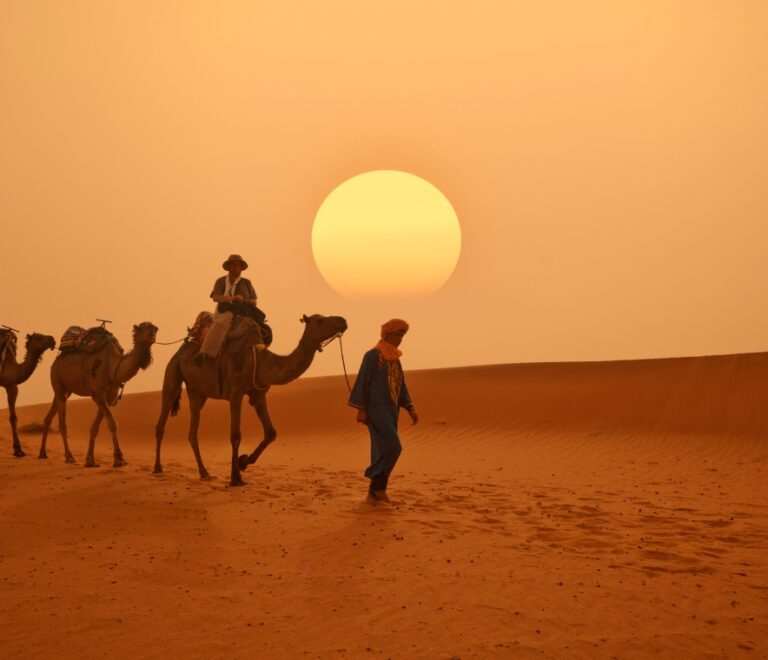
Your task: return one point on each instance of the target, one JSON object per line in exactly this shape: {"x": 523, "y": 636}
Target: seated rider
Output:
{"x": 226, "y": 289}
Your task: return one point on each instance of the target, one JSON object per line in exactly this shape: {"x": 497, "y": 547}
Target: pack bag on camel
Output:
{"x": 251, "y": 312}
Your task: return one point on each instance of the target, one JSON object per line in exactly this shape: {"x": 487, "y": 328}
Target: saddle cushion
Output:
{"x": 7, "y": 345}
{"x": 72, "y": 338}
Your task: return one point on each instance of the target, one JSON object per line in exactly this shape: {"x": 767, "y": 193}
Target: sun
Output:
{"x": 386, "y": 233}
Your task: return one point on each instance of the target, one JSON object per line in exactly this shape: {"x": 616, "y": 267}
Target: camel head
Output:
{"x": 144, "y": 333}
{"x": 320, "y": 329}
{"x": 37, "y": 344}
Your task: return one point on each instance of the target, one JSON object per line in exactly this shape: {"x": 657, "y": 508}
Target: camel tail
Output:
{"x": 172, "y": 383}
{"x": 176, "y": 404}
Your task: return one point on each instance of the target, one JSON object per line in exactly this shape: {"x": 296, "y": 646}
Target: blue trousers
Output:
{"x": 385, "y": 443}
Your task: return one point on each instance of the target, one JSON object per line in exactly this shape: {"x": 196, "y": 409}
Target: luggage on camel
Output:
{"x": 200, "y": 327}
{"x": 79, "y": 340}
{"x": 72, "y": 338}
{"x": 7, "y": 343}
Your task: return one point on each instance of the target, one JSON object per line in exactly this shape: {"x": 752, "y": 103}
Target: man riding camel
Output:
{"x": 227, "y": 289}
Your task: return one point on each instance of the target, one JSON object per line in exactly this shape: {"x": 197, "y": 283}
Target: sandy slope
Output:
{"x": 555, "y": 510}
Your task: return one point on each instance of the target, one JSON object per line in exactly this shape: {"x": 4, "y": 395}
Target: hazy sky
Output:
{"x": 608, "y": 162}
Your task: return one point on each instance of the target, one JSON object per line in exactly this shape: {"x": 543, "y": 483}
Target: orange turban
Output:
{"x": 393, "y": 325}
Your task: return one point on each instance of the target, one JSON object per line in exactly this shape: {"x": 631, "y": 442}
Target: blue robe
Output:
{"x": 381, "y": 391}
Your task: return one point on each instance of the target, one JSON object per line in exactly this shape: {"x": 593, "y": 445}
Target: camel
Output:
{"x": 231, "y": 377}
{"x": 99, "y": 370}
{"x": 13, "y": 373}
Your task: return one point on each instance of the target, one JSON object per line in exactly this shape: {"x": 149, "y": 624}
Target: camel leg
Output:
{"x": 13, "y": 391}
{"x": 170, "y": 401}
{"x": 260, "y": 405}
{"x": 119, "y": 461}
{"x": 61, "y": 409}
{"x": 234, "y": 437}
{"x": 196, "y": 403}
{"x": 46, "y": 428}
{"x": 103, "y": 411}
{"x": 91, "y": 462}
{"x": 159, "y": 431}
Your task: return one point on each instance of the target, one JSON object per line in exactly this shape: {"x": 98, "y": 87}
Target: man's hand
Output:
{"x": 237, "y": 298}
{"x": 414, "y": 416}
{"x": 362, "y": 416}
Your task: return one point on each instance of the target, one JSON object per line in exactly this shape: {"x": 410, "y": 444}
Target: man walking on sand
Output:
{"x": 378, "y": 394}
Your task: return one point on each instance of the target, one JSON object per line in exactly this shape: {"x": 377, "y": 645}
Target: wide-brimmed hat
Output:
{"x": 234, "y": 257}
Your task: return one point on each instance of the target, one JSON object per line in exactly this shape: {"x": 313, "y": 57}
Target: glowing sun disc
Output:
{"x": 386, "y": 233}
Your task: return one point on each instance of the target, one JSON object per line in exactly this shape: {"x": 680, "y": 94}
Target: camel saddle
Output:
{"x": 241, "y": 309}
{"x": 7, "y": 344}
{"x": 242, "y": 335}
{"x": 80, "y": 340}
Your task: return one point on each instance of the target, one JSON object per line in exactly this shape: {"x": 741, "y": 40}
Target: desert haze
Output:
{"x": 603, "y": 509}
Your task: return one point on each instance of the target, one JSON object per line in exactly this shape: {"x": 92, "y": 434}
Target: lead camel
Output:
{"x": 233, "y": 376}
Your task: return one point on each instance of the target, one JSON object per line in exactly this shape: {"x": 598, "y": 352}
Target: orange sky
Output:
{"x": 607, "y": 162}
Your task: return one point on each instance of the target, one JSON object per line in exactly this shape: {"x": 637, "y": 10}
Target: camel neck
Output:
{"x": 139, "y": 358}
{"x": 21, "y": 371}
{"x": 280, "y": 369}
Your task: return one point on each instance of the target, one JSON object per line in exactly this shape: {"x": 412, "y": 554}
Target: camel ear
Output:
{"x": 135, "y": 328}
{"x": 305, "y": 319}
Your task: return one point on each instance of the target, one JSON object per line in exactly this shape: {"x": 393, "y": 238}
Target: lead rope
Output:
{"x": 341, "y": 349}
{"x": 344, "y": 365}
{"x": 122, "y": 385}
{"x": 168, "y": 343}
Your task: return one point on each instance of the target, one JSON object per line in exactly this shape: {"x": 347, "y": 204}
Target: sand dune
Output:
{"x": 587, "y": 510}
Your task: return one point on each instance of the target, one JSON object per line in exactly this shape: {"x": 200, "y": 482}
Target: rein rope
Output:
{"x": 341, "y": 350}
{"x": 169, "y": 343}
{"x": 122, "y": 385}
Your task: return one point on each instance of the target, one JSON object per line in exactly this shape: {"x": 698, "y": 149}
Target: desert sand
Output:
{"x": 584, "y": 510}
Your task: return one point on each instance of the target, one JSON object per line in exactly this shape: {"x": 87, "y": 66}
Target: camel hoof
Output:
{"x": 242, "y": 462}
{"x": 206, "y": 477}
{"x": 42, "y": 454}
{"x": 158, "y": 469}
{"x": 19, "y": 453}
{"x": 119, "y": 462}
{"x": 69, "y": 458}
{"x": 91, "y": 463}
{"x": 236, "y": 484}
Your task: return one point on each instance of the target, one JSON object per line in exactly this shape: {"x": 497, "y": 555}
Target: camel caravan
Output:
{"x": 225, "y": 355}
